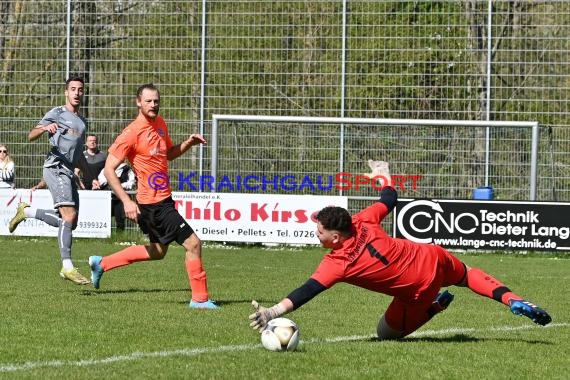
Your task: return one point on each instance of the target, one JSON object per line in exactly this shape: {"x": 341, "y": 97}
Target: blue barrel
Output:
{"x": 483, "y": 193}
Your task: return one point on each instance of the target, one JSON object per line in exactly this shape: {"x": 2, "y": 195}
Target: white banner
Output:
{"x": 94, "y": 213}
{"x": 254, "y": 218}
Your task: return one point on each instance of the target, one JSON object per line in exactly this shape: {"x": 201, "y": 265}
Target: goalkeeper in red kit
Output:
{"x": 362, "y": 254}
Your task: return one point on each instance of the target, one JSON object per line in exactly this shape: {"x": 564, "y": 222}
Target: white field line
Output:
{"x": 15, "y": 367}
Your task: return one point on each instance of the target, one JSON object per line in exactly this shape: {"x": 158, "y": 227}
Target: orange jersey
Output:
{"x": 373, "y": 260}
{"x": 146, "y": 143}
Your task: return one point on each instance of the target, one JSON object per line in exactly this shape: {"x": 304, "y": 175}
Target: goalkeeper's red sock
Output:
{"x": 125, "y": 257}
{"x": 197, "y": 279}
{"x": 488, "y": 286}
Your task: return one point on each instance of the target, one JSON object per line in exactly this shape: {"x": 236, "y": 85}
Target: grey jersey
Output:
{"x": 68, "y": 141}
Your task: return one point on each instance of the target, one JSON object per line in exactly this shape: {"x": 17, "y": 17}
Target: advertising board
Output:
{"x": 484, "y": 225}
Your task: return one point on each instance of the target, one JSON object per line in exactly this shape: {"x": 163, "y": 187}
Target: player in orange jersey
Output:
{"x": 362, "y": 254}
{"x": 147, "y": 145}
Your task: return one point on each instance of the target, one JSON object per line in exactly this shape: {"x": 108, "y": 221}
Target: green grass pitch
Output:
{"x": 138, "y": 325}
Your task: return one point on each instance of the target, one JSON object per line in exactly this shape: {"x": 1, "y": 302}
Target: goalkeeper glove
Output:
{"x": 263, "y": 315}
{"x": 380, "y": 170}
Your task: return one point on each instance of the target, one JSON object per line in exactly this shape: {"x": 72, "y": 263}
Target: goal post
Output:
{"x": 530, "y": 145}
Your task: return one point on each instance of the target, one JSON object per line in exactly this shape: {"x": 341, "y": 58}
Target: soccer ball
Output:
{"x": 280, "y": 334}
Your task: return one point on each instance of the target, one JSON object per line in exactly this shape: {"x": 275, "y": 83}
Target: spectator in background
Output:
{"x": 128, "y": 180}
{"x": 95, "y": 163}
{"x": 6, "y": 169}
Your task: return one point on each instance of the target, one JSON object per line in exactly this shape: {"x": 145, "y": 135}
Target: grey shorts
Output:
{"x": 62, "y": 186}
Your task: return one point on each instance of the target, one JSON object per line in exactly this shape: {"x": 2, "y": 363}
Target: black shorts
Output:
{"x": 163, "y": 223}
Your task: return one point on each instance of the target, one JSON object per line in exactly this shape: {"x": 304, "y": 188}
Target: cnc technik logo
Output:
{"x": 340, "y": 181}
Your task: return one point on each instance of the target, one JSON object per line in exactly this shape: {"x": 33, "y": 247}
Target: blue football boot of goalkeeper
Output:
{"x": 444, "y": 299}
{"x": 530, "y": 310}
{"x": 96, "y": 270}
{"x": 209, "y": 304}
{"x": 440, "y": 303}
{"x": 19, "y": 217}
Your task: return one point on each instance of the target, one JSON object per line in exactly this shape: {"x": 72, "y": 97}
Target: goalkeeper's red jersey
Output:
{"x": 373, "y": 260}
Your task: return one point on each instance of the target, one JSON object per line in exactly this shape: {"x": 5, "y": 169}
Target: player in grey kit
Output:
{"x": 66, "y": 130}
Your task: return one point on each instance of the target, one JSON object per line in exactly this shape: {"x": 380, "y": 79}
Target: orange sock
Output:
{"x": 126, "y": 256}
{"x": 488, "y": 286}
{"x": 197, "y": 279}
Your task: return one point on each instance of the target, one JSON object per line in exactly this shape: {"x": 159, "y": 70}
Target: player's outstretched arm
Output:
{"x": 263, "y": 315}
{"x": 178, "y": 150}
{"x": 380, "y": 171}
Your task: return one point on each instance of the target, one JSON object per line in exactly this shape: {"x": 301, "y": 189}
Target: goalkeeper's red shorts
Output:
{"x": 407, "y": 316}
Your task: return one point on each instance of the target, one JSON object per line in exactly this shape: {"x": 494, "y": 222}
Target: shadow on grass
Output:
{"x": 227, "y": 302}
{"x": 457, "y": 338}
{"x": 460, "y": 338}
{"x": 92, "y": 292}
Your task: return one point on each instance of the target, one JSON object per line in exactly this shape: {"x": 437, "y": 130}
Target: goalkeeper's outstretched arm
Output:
{"x": 380, "y": 171}
{"x": 294, "y": 300}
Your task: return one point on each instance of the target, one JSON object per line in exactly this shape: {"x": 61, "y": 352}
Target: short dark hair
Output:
{"x": 147, "y": 86}
{"x": 74, "y": 78}
{"x": 335, "y": 218}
